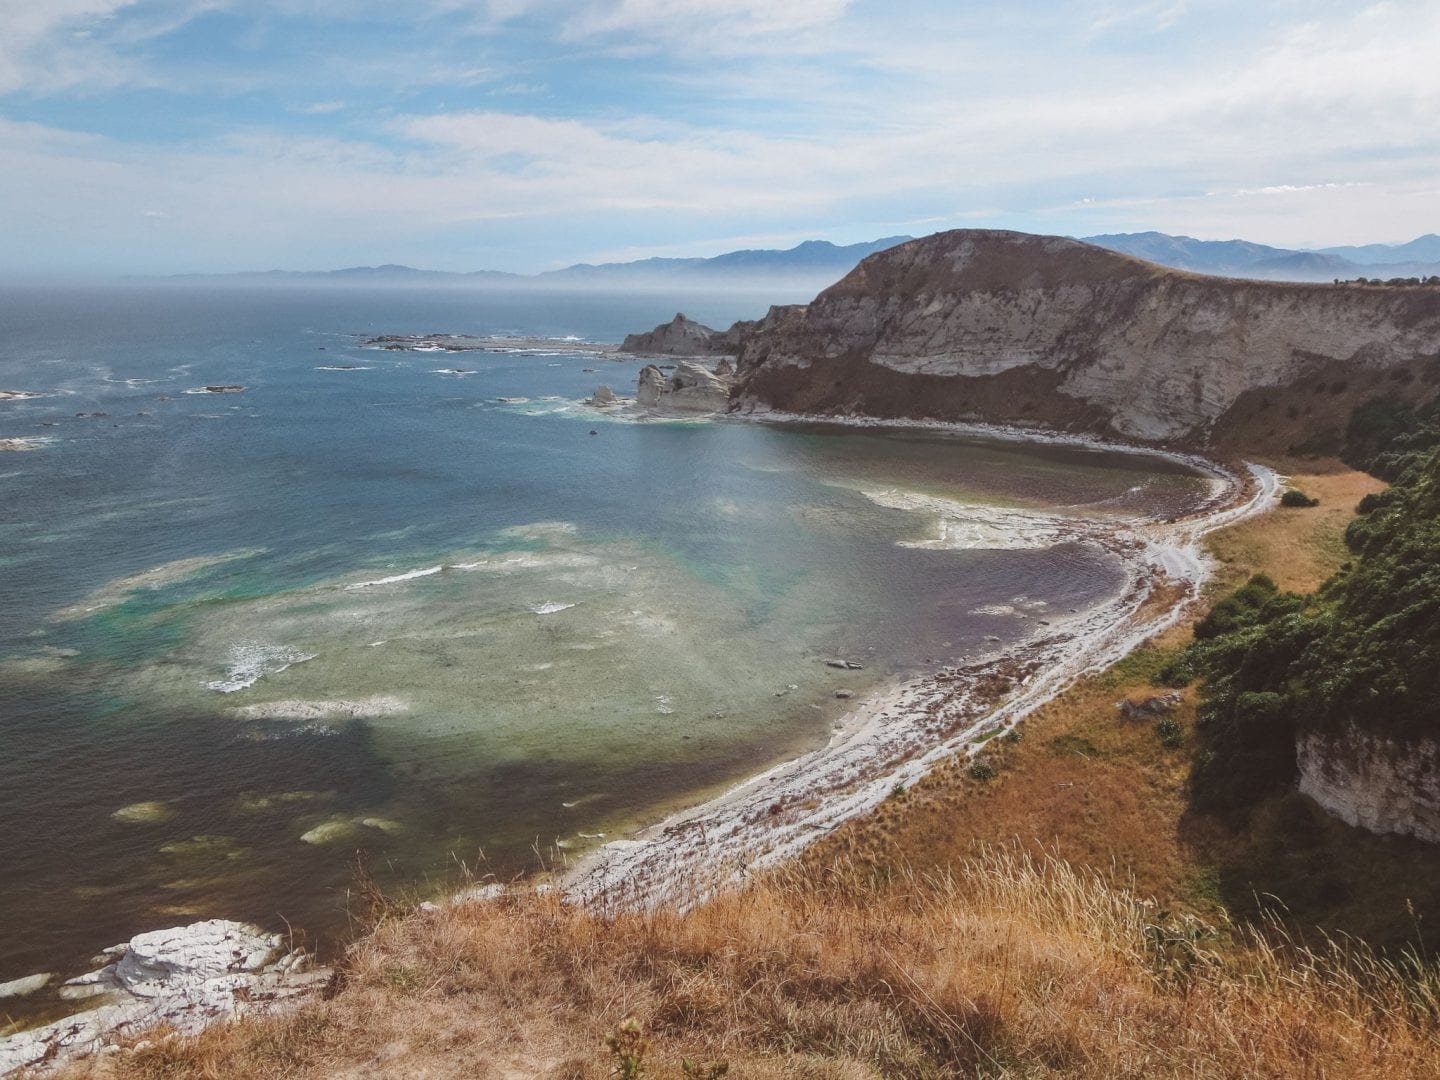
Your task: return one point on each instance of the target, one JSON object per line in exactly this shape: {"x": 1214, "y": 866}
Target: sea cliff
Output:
{"x": 1005, "y": 327}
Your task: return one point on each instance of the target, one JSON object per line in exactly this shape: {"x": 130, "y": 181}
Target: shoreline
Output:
{"x": 891, "y": 737}
{"x": 897, "y": 734}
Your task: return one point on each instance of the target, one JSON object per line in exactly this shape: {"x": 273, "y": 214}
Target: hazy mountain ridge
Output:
{"x": 814, "y": 262}
{"x": 818, "y": 263}
{"x": 1241, "y": 258}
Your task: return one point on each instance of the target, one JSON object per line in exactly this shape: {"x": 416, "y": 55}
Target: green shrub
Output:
{"x": 1171, "y": 733}
{"x": 1295, "y": 497}
{"x": 980, "y": 769}
{"x": 1178, "y": 671}
{"x": 1364, "y": 650}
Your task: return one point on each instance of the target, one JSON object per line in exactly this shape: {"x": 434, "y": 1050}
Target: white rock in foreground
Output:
{"x": 23, "y": 987}
{"x": 187, "y": 977}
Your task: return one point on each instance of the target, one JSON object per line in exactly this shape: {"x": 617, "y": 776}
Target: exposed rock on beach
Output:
{"x": 185, "y": 978}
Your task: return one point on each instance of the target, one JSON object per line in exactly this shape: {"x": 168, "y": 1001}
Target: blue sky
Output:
{"x": 199, "y": 135}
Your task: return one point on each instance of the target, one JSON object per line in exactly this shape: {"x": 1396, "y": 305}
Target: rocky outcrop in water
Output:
{"x": 681, "y": 336}
{"x": 1373, "y": 782}
{"x": 184, "y": 978}
{"x": 1005, "y": 327}
{"x": 691, "y": 388}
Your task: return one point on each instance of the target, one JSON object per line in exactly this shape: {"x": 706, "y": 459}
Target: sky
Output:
{"x": 171, "y": 136}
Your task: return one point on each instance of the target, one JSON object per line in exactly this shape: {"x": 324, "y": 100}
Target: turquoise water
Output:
{"x": 245, "y": 636}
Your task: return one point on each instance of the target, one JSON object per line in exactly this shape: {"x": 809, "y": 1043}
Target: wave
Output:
{"x": 407, "y": 576}
{"x": 549, "y": 608}
{"x": 251, "y": 661}
{"x": 965, "y": 526}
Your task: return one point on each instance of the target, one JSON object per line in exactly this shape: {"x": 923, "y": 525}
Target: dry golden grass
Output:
{"x": 1008, "y": 967}
{"x": 1084, "y": 783}
{"x": 1298, "y": 547}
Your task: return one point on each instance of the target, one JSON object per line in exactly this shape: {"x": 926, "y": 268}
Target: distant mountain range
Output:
{"x": 818, "y": 263}
{"x": 815, "y": 263}
{"x": 1240, "y": 258}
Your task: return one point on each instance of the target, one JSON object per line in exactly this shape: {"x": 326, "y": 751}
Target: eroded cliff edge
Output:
{"x": 1006, "y": 327}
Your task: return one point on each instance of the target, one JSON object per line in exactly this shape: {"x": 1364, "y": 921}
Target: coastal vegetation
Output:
{"x": 1364, "y": 650}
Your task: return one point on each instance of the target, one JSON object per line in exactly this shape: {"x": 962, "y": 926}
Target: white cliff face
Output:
{"x": 1161, "y": 354}
{"x": 692, "y": 388}
{"x": 1378, "y": 784}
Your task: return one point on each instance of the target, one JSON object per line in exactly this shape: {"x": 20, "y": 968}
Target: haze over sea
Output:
{"x": 367, "y": 604}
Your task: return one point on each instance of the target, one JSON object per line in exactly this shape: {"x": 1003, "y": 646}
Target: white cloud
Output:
{"x": 43, "y": 44}
{"x": 686, "y": 18}
{"x": 53, "y": 45}
{"x": 1325, "y": 124}
{"x": 1152, "y": 16}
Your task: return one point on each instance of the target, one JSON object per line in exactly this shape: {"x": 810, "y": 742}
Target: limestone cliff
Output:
{"x": 1012, "y": 328}
{"x": 691, "y": 388}
{"x": 1377, "y": 783}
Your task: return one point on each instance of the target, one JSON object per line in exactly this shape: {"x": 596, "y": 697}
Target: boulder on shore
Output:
{"x": 185, "y": 978}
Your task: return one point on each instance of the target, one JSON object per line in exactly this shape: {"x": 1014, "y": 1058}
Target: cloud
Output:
{"x": 824, "y": 116}
{"x": 688, "y": 18}
{"x": 47, "y": 46}
{"x": 1153, "y": 16}
{"x": 43, "y": 45}
{"x": 1291, "y": 189}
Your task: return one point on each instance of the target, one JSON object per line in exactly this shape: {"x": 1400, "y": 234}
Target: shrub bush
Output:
{"x": 980, "y": 769}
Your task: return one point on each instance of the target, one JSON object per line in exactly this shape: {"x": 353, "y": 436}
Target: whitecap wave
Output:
{"x": 21, "y": 443}
{"x": 963, "y": 526}
{"x": 251, "y": 661}
{"x": 392, "y": 579}
{"x": 550, "y": 608}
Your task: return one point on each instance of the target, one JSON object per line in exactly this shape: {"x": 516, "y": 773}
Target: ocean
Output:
{"x": 366, "y": 612}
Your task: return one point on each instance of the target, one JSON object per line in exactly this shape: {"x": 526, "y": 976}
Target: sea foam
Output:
{"x": 251, "y": 661}
{"x": 407, "y": 576}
